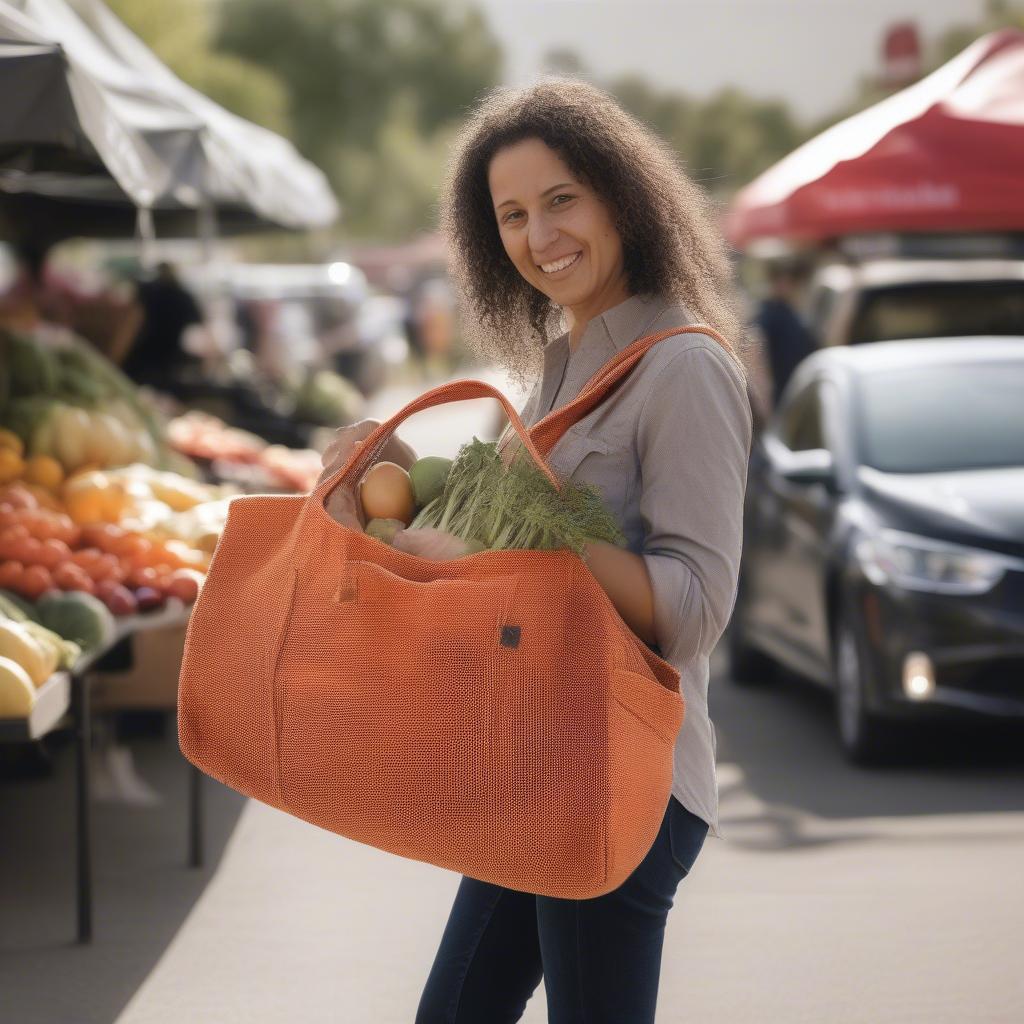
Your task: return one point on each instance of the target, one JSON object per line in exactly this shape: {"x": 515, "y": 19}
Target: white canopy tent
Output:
{"x": 94, "y": 128}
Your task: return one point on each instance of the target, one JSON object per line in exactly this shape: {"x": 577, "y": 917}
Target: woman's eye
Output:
{"x": 562, "y": 196}
{"x": 510, "y": 216}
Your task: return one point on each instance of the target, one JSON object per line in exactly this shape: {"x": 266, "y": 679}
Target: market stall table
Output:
{"x": 65, "y": 696}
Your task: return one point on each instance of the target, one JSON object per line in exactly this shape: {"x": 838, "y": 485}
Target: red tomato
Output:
{"x": 10, "y": 575}
{"x": 102, "y": 535}
{"x": 69, "y": 576}
{"x": 18, "y": 496}
{"x": 148, "y": 598}
{"x": 130, "y": 545}
{"x": 87, "y": 558}
{"x": 27, "y": 550}
{"x": 184, "y": 584}
{"x": 120, "y": 600}
{"x": 9, "y": 515}
{"x": 142, "y": 577}
{"x": 41, "y": 525}
{"x": 53, "y": 553}
{"x": 67, "y": 530}
{"x": 35, "y": 581}
{"x": 107, "y": 567}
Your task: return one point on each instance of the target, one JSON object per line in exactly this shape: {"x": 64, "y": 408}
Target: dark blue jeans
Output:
{"x": 600, "y": 958}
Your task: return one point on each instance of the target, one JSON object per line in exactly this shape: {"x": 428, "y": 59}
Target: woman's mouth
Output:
{"x": 556, "y": 266}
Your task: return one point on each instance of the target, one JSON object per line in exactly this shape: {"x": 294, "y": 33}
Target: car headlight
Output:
{"x": 918, "y": 563}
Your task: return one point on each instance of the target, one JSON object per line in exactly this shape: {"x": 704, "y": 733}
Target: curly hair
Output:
{"x": 671, "y": 243}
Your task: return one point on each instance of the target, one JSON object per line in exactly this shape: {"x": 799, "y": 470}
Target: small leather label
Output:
{"x": 509, "y": 636}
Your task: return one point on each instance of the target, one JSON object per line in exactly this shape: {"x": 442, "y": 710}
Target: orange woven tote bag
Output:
{"x": 490, "y": 714}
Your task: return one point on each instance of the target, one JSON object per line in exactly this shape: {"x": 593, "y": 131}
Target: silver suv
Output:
{"x": 886, "y": 299}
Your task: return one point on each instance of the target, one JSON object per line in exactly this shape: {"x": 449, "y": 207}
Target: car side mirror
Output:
{"x": 813, "y": 466}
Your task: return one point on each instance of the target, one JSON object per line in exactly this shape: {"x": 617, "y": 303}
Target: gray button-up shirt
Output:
{"x": 669, "y": 452}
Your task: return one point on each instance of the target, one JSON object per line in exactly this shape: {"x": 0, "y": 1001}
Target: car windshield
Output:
{"x": 933, "y": 419}
{"x": 942, "y": 309}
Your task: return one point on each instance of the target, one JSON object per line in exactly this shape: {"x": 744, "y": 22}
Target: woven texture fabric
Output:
{"x": 490, "y": 714}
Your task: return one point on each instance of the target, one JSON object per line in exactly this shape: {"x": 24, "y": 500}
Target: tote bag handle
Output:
{"x": 538, "y": 440}
{"x": 545, "y": 433}
{"x": 365, "y": 453}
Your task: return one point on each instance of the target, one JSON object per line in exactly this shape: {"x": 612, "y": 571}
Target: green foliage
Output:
{"x": 723, "y": 141}
{"x": 998, "y": 14}
{"x": 375, "y": 88}
{"x": 181, "y": 35}
{"x": 516, "y": 507}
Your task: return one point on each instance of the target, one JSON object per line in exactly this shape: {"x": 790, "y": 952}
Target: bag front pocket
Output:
{"x": 387, "y": 695}
{"x": 656, "y": 706}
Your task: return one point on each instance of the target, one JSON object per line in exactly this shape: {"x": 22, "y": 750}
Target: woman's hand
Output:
{"x": 428, "y": 542}
{"x": 343, "y": 503}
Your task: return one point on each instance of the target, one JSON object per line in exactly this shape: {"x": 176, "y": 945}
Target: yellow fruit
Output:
{"x": 17, "y": 694}
{"x": 72, "y": 429}
{"x": 95, "y": 497}
{"x": 9, "y": 439}
{"x": 45, "y": 471}
{"x": 12, "y": 465}
{"x": 385, "y": 492}
{"x": 49, "y": 643}
{"x": 20, "y": 646}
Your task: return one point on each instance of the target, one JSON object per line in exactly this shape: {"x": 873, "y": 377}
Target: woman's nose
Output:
{"x": 542, "y": 235}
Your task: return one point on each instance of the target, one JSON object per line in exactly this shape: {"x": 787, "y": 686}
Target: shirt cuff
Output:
{"x": 678, "y": 606}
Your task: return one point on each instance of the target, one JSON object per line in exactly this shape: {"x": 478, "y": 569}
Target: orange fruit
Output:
{"x": 45, "y": 471}
{"x": 9, "y": 439}
{"x": 12, "y": 465}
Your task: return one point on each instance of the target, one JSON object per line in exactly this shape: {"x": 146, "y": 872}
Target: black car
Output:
{"x": 884, "y": 536}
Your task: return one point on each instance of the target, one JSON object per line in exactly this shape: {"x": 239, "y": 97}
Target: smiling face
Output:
{"x": 557, "y": 231}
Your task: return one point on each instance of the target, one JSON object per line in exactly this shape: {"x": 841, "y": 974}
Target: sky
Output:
{"x": 808, "y": 52}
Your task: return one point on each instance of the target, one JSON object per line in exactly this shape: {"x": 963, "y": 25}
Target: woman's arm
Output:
{"x": 693, "y": 440}
{"x": 623, "y": 577}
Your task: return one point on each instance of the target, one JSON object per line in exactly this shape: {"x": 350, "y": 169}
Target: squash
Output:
{"x": 17, "y": 694}
{"x": 78, "y": 616}
{"x": 20, "y": 646}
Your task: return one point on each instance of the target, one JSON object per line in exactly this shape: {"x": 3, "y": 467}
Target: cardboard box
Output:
{"x": 152, "y": 681}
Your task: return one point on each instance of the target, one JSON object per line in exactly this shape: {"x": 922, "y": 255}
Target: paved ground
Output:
{"x": 838, "y": 896}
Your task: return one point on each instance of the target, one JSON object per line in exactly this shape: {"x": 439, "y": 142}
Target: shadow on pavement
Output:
{"x": 143, "y": 890}
{"x": 780, "y": 761}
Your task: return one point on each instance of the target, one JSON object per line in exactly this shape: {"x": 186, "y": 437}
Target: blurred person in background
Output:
{"x": 786, "y": 338}
{"x": 158, "y": 354}
{"x": 37, "y": 294}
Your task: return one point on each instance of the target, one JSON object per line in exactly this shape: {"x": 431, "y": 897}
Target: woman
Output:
{"x": 559, "y": 204}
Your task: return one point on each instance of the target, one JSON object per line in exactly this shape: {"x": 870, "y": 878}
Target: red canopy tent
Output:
{"x": 946, "y": 154}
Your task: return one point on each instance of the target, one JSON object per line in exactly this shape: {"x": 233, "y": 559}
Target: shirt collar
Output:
{"x": 624, "y": 323}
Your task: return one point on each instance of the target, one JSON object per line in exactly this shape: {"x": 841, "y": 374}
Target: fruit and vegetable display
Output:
{"x": 71, "y": 407}
{"x": 101, "y": 545}
{"x": 479, "y": 499}
{"x": 243, "y": 457}
{"x": 44, "y": 550}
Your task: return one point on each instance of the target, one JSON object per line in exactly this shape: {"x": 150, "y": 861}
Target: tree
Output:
{"x": 723, "y": 141}
{"x": 181, "y": 35}
{"x": 375, "y": 87}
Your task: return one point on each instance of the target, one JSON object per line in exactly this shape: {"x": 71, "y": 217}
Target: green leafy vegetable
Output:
{"x": 516, "y": 507}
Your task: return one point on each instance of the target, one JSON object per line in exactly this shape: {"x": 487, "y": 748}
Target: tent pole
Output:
{"x": 145, "y": 232}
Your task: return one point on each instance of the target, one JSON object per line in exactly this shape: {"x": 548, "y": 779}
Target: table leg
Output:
{"x": 80, "y": 720}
